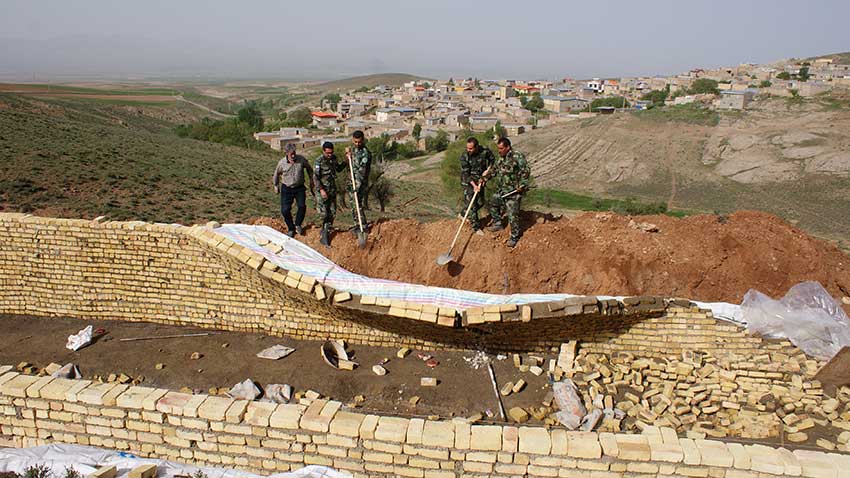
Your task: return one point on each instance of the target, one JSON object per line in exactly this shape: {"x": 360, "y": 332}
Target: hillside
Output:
{"x": 369, "y": 81}
{"x": 792, "y": 160}
{"x": 841, "y": 58}
{"x": 75, "y": 158}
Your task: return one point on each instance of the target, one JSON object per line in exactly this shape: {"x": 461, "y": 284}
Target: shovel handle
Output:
{"x": 459, "y": 228}
{"x": 354, "y": 190}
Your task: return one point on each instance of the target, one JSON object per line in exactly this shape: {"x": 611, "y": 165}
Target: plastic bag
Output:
{"x": 807, "y": 316}
{"x": 246, "y": 390}
{"x": 80, "y": 339}
{"x": 570, "y": 403}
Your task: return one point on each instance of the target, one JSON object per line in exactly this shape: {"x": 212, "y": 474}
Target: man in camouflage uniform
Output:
{"x": 512, "y": 180}
{"x": 361, "y": 162}
{"x": 473, "y": 163}
{"x": 326, "y": 167}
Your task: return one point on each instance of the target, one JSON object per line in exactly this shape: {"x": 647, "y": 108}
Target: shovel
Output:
{"x": 361, "y": 234}
{"x": 447, "y": 257}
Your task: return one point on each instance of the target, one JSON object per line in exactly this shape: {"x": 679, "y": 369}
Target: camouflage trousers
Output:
{"x": 361, "y": 196}
{"x": 326, "y": 208}
{"x": 468, "y": 192}
{"x": 509, "y": 207}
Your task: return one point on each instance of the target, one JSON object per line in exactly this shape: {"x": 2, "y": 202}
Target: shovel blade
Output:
{"x": 361, "y": 240}
{"x": 444, "y": 259}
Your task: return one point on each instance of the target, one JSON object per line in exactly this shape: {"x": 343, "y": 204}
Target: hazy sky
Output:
{"x": 434, "y": 38}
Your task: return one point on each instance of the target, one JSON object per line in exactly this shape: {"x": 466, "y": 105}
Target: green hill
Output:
{"x": 74, "y": 158}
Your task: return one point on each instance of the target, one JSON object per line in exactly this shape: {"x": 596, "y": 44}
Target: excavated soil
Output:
{"x": 701, "y": 257}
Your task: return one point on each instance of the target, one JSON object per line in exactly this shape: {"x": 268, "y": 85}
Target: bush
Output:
{"x": 704, "y": 86}
{"x": 38, "y": 471}
{"x": 70, "y": 472}
{"x": 615, "y": 101}
{"x": 435, "y": 144}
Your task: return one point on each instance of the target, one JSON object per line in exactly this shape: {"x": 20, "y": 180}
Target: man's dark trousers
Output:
{"x": 287, "y": 194}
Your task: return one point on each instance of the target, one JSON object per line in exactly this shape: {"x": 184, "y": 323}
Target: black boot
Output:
{"x": 325, "y": 238}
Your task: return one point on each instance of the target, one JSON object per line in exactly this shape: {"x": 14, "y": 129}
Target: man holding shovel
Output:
{"x": 512, "y": 180}
{"x": 473, "y": 163}
{"x": 361, "y": 161}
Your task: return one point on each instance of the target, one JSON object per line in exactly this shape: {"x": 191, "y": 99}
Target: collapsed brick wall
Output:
{"x": 192, "y": 276}
{"x": 266, "y": 437}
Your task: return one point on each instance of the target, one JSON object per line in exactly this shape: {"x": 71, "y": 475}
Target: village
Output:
{"x": 422, "y": 109}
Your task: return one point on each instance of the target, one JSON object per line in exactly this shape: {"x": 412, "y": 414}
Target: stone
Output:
{"x": 518, "y": 414}
{"x": 534, "y": 440}
{"x": 797, "y": 437}
{"x": 104, "y": 472}
{"x": 507, "y": 388}
{"x": 536, "y": 370}
{"x": 428, "y": 382}
{"x": 392, "y": 429}
{"x": 518, "y": 386}
{"x": 438, "y": 434}
{"x": 584, "y": 445}
{"x": 215, "y": 408}
{"x": 486, "y": 437}
{"x": 402, "y": 352}
{"x": 143, "y": 471}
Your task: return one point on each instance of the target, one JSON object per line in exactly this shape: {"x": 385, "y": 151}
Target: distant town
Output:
{"x": 423, "y": 109}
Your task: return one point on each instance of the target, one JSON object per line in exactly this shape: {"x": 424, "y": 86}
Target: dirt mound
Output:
{"x": 703, "y": 257}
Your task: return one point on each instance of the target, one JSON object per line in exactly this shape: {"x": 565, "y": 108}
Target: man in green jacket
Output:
{"x": 326, "y": 167}
{"x": 361, "y": 163}
{"x": 473, "y": 163}
{"x": 512, "y": 178}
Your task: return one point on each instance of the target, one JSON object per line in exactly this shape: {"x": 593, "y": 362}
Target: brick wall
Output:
{"x": 268, "y": 437}
{"x": 162, "y": 273}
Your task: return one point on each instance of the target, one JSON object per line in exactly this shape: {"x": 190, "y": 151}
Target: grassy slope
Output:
{"x": 87, "y": 159}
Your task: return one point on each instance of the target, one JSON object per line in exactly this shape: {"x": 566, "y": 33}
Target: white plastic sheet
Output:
{"x": 807, "y": 316}
{"x": 80, "y": 339}
{"x": 85, "y": 460}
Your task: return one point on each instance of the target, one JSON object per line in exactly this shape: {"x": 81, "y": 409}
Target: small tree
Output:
{"x": 382, "y": 191}
{"x": 250, "y": 114}
{"x": 499, "y": 131}
{"x": 784, "y": 75}
{"x": 765, "y": 84}
{"x": 417, "y": 131}
{"x": 333, "y": 99}
{"x": 300, "y": 118}
{"x": 804, "y": 74}
{"x": 435, "y": 144}
{"x": 657, "y": 97}
{"x": 704, "y": 86}
{"x": 533, "y": 104}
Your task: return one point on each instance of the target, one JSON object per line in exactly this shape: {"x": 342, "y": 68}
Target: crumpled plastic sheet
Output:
{"x": 85, "y": 460}
{"x": 808, "y": 316}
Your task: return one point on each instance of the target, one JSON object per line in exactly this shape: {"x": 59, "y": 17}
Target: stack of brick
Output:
{"x": 265, "y": 437}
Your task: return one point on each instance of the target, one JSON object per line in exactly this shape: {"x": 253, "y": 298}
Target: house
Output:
{"x": 351, "y": 108}
{"x": 514, "y": 129}
{"x": 735, "y": 100}
{"x": 596, "y": 85}
{"x": 559, "y": 104}
{"x": 383, "y": 115}
{"x": 482, "y": 122}
{"x": 323, "y": 119}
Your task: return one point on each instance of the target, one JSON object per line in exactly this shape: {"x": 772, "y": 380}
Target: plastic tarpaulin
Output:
{"x": 299, "y": 257}
{"x": 85, "y": 460}
{"x": 808, "y": 316}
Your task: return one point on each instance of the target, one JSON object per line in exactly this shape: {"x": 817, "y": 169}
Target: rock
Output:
{"x": 160, "y": 366}
{"x": 279, "y": 393}
{"x": 570, "y": 403}
{"x": 845, "y": 300}
{"x": 312, "y": 395}
{"x": 195, "y": 356}
{"x": 413, "y": 400}
{"x": 346, "y": 364}
{"x": 428, "y": 382}
{"x": 507, "y": 388}
{"x": 67, "y": 371}
{"x": 379, "y": 370}
{"x": 52, "y": 368}
{"x": 825, "y": 444}
{"x": 798, "y": 437}
{"x": 536, "y": 370}
{"x": 275, "y": 352}
{"x": 518, "y": 386}
{"x": 518, "y": 414}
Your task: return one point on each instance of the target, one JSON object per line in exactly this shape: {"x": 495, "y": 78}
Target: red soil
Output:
{"x": 703, "y": 257}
